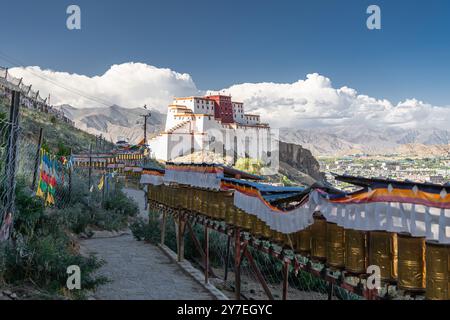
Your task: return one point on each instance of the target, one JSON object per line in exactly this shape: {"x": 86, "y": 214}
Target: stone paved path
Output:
{"x": 141, "y": 271}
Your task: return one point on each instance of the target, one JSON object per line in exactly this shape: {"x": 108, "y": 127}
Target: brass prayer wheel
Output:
{"x": 175, "y": 197}
{"x": 303, "y": 242}
{"x": 335, "y": 246}
{"x": 158, "y": 194}
{"x": 222, "y": 207}
{"x": 411, "y": 263}
{"x": 189, "y": 198}
{"x": 163, "y": 195}
{"x": 319, "y": 239}
{"x": 383, "y": 253}
{"x": 266, "y": 232}
{"x": 278, "y": 237}
{"x": 196, "y": 204}
{"x": 216, "y": 204}
{"x": 355, "y": 251}
{"x": 257, "y": 227}
{"x": 247, "y": 222}
{"x": 229, "y": 213}
{"x": 290, "y": 241}
{"x": 210, "y": 200}
{"x": 155, "y": 193}
{"x": 184, "y": 198}
{"x": 204, "y": 202}
{"x": 150, "y": 192}
{"x": 167, "y": 196}
{"x": 239, "y": 216}
{"x": 438, "y": 271}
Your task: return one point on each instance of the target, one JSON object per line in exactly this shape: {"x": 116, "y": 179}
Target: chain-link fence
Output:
{"x": 27, "y": 161}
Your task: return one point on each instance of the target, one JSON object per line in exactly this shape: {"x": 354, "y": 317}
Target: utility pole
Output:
{"x": 146, "y": 116}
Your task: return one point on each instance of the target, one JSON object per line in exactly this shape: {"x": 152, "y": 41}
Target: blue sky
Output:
{"x": 221, "y": 43}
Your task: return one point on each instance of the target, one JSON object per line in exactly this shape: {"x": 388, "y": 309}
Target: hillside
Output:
{"x": 55, "y": 131}
{"x": 115, "y": 122}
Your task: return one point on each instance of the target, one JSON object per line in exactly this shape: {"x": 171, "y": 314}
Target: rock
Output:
{"x": 301, "y": 159}
{"x": 13, "y": 296}
{"x": 7, "y": 292}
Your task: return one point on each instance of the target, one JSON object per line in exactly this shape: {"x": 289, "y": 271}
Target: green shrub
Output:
{"x": 44, "y": 262}
{"x": 147, "y": 231}
{"x": 41, "y": 247}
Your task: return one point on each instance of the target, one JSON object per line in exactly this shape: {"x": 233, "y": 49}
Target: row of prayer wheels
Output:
{"x": 413, "y": 263}
{"x": 130, "y": 156}
{"x": 95, "y": 164}
{"x": 416, "y": 265}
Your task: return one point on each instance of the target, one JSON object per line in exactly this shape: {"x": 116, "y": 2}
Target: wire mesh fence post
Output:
{"x": 227, "y": 258}
{"x": 237, "y": 263}
{"x": 330, "y": 291}
{"x": 180, "y": 238}
{"x": 206, "y": 254}
{"x": 285, "y": 278}
{"x": 163, "y": 228}
{"x": 10, "y": 170}
{"x": 37, "y": 160}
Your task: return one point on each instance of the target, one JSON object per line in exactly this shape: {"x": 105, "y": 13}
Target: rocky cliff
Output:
{"x": 295, "y": 162}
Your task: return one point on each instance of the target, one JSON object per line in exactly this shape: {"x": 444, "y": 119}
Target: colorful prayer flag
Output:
{"x": 102, "y": 182}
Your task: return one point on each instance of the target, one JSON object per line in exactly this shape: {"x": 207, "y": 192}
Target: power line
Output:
{"x": 18, "y": 63}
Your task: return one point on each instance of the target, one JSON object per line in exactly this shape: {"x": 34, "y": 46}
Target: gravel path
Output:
{"x": 140, "y": 271}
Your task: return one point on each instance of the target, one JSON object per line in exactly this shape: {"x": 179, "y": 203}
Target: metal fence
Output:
{"x": 21, "y": 163}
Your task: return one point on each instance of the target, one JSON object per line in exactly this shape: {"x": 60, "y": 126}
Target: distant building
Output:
{"x": 212, "y": 123}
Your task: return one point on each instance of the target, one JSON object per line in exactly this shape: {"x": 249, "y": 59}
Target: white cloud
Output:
{"x": 129, "y": 85}
{"x": 313, "y": 103}
{"x": 309, "y": 103}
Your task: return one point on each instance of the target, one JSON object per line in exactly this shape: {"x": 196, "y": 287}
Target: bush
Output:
{"x": 86, "y": 210}
{"x": 253, "y": 166}
{"x": 118, "y": 201}
{"x": 44, "y": 261}
{"x": 147, "y": 231}
{"x": 41, "y": 248}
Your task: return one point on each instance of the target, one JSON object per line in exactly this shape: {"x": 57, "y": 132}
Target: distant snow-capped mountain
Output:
{"x": 115, "y": 122}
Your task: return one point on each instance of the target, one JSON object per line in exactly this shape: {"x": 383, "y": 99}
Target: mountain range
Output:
{"x": 115, "y": 122}
{"x": 340, "y": 141}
